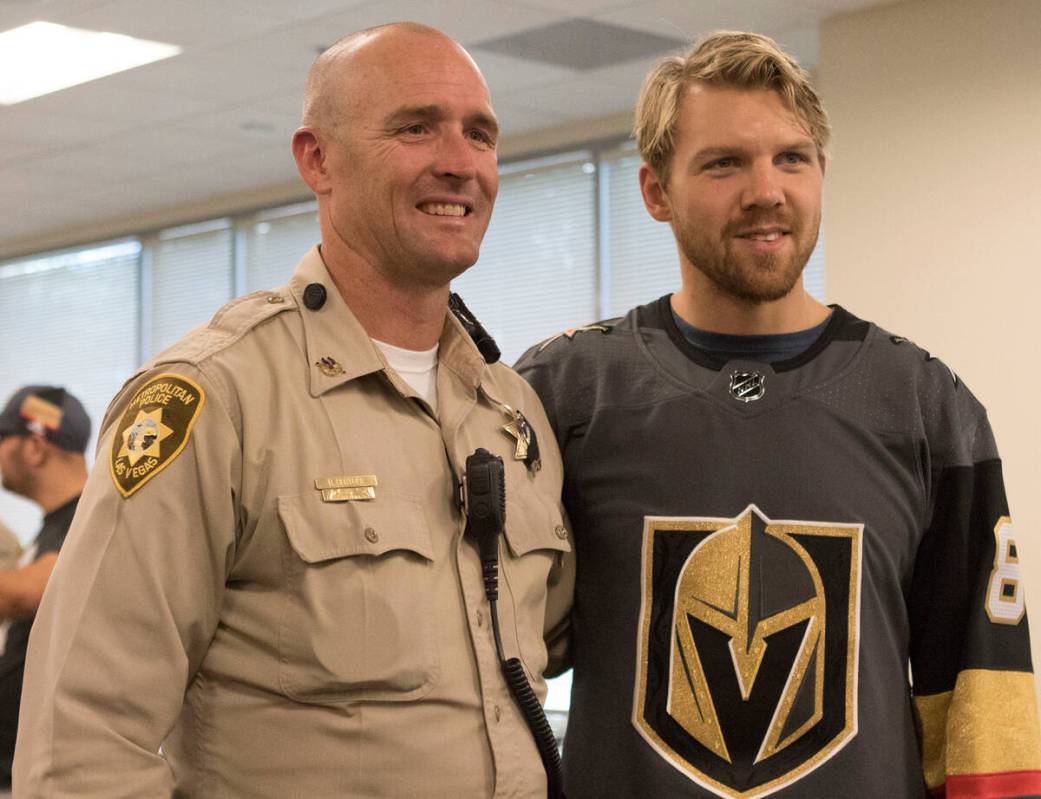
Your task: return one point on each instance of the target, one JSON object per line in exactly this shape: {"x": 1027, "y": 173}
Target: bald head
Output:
{"x": 330, "y": 95}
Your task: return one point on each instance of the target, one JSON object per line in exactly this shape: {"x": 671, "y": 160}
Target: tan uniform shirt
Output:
{"x": 273, "y": 641}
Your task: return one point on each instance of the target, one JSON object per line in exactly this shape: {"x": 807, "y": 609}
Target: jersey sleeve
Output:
{"x": 974, "y": 692}
{"x": 133, "y": 601}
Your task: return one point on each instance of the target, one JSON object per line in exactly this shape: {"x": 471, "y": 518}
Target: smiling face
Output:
{"x": 744, "y": 194}
{"x": 408, "y": 171}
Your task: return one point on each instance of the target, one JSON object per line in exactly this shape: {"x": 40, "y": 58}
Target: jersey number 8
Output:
{"x": 1005, "y": 601}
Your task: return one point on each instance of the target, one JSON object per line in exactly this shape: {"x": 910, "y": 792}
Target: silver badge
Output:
{"x": 747, "y": 386}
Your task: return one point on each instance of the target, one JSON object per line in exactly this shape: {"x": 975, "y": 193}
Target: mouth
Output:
{"x": 445, "y": 209}
{"x": 763, "y": 234}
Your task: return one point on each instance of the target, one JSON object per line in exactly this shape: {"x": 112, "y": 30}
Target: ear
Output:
{"x": 655, "y": 198}
{"x": 823, "y": 161}
{"x": 35, "y": 449}
{"x": 310, "y": 160}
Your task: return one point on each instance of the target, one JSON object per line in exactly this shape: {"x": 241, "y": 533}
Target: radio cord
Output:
{"x": 517, "y": 680}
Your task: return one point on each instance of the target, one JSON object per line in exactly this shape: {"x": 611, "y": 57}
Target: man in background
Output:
{"x": 777, "y": 506}
{"x": 268, "y": 577}
{"x": 10, "y": 547}
{"x": 43, "y": 434}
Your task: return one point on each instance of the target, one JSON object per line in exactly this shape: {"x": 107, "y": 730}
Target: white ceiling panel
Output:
{"x": 688, "y": 20}
{"x": 599, "y": 93}
{"x": 508, "y": 74}
{"x": 577, "y": 8}
{"x": 20, "y": 12}
{"x": 187, "y": 23}
{"x": 464, "y": 20}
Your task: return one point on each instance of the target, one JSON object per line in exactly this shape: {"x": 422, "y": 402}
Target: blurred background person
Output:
{"x": 10, "y": 547}
{"x": 43, "y": 434}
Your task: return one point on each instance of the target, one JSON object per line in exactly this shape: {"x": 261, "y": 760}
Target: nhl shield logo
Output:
{"x": 747, "y": 386}
{"x": 746, "y": 674}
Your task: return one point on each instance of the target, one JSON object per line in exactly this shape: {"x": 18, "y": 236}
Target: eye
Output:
{"x": 792, "y": 157}
{"x": 729, "y": 162}
{"x": 482, "y": 136}
{"x": 415, "y": 129}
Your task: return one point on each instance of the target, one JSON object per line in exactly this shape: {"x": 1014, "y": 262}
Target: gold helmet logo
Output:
{"x": 747, "y": 658}
{"x": 747, "y": 582}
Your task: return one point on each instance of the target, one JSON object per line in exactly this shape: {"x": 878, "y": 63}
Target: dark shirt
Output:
{"x": 12, "y": 661}
{"x": 769, "y": 348}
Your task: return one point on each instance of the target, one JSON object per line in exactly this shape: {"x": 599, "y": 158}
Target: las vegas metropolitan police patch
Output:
{"x": 154, "y": 429}
{"x": 747, "y": 654}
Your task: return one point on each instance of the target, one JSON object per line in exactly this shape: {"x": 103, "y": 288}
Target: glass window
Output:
{"x": 537, "y": 272}
{"x": 68, "y": 319}
{"x": 276, "y": 241}
{"x": 190, "y": 279}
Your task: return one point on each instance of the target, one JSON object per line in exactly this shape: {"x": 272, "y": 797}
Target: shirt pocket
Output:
{"x": 536, "y": 540}
{"x": 356, "y": 621}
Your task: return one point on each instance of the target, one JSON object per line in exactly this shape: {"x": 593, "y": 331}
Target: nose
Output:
{"x": 455, "y": 156}
{"x": 763, "y": 189}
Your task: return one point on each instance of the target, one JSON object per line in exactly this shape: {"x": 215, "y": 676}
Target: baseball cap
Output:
{"x": 50, "y": 411}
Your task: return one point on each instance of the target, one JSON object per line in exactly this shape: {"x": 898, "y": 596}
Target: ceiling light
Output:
{"x": 42, "y": 57}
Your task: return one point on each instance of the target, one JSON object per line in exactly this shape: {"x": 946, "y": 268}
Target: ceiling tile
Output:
{"x": 14, "y": 13}
{"x": 579, "y": 44}
{"x": 467, "y": 21}
{"x": 595, "y": 94}
{"x": 576, "y": 8}
{"x": 190, "y": 24}
{"x": 689, "y": 19}
{"x": 507, "y": 74}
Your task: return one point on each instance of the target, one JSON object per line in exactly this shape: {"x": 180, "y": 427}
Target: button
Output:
{"x": 276, "y": 299}
{"x": 561, "y": 532}
{"x": 480, "y": 619}
{"x": 314, "y": 296}
{"x": 372, "y": 535}
{"x": 498, "y": 713}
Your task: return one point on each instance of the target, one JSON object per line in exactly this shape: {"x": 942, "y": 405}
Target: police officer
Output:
{"x": 268, "y": 577}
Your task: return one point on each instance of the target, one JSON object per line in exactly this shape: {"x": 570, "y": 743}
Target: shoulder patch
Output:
{"x": 154, "y": 429}
{"x": 571, "y": 332}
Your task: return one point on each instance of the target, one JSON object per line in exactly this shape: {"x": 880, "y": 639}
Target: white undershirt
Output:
{"x": 418, "y": 368}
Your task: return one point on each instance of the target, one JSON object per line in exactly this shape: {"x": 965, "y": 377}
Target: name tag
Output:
{"x": 347, "y": 494}
{"x": 347, "y": 487}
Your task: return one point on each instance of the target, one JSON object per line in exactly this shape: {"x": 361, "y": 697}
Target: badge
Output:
{"x": 330, "y": 367}
{"x": 155, "y": 427}
{"x": 747, "y": 386}
{"x": 520, "y": 429}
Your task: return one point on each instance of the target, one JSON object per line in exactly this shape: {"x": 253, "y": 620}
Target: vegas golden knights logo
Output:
{"x": 746, "y": 674}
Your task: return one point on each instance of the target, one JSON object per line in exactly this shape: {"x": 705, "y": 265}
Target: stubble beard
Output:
{"x": 753, "y": 278}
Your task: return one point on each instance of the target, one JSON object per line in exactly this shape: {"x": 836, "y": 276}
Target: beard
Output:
{"x": 751, "y": 277}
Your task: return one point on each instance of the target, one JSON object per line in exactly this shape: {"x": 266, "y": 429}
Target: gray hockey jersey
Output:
{"x": 762, "y": 552}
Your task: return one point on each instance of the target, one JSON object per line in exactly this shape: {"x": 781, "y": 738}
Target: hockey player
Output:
{"x": 777, "y": 506}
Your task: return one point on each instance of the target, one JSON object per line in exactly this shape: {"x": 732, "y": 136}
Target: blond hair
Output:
{"x": 731, "y": 59}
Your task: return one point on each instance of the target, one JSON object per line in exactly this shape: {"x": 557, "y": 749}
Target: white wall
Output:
{"x": 933, "y": 206}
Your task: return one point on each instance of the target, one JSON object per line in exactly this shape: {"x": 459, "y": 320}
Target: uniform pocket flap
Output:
{"x": 320, "y": 531}
{"x": 534, "y": 522}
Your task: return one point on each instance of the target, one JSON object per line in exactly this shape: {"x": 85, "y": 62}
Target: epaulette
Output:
{"x": 571, "y": 332}
{"x": 228, "y": 325}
